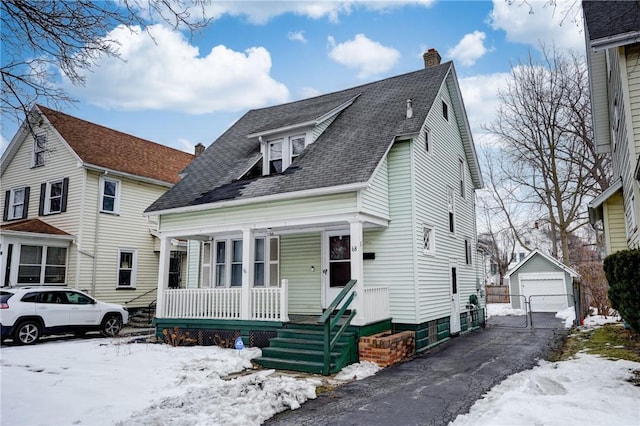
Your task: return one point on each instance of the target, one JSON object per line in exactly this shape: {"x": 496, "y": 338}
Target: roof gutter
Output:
{"x": 23, "y": 234}
{"x": 100, "y": 169}
{"x": 264, "y": 199}
{"x": 615, "y": 41}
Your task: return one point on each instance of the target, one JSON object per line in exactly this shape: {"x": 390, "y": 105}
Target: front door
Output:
{"x": 337, "y": 265}
{"x": 454, "y": 322}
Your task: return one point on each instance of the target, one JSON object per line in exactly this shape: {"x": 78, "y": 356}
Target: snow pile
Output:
{"x": 358, "y": 371}
{"x": 503, "y": 309}
{"x": 595, "y": 320}
{"x": 585, "y": 390}
{"x": 246, "y": 400}
{"x": 568, "y": 315}
{"x": 104, "y": 381}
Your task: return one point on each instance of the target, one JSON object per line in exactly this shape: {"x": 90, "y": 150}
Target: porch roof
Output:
{"x": 34, "y": 227}
{"x": 346, "y": 153}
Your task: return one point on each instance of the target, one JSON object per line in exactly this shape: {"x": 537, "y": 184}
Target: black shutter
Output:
{"x": 65, "y": 191}
{"x": 25, "y": 209}
{"x": 7, "y": 197}
{"x": 43, "y": 194}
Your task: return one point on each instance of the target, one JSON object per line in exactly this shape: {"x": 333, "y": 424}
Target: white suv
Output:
{"x": 30, "y": 312}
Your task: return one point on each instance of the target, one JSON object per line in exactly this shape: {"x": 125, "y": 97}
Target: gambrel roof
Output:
{"x": 368, "y": 119}
{"x": 102, "y": 148}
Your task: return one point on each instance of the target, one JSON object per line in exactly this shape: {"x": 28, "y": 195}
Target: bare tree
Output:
{"x": 548, "y": 162}
{"x": 43, "y": 38}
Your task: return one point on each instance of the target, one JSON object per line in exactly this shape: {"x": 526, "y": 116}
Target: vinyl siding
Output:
{"x": 633, "y": 81}
{"x": 434, "y": 173}
{"x": 317, "y": 130}
{"x": 192, "y": 264}
{"x": 615, "y": 233}
{"x": 375, "y": 199}
{"x": 393, "y": 265}
{"x": 297, "y": 254}
{"x": 309, "y": 207}
{"x": 536, "y": 264}
{"x": 126, "y": 230}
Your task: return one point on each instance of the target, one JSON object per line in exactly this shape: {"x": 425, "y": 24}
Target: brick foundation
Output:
{"x": 386, "y": 349}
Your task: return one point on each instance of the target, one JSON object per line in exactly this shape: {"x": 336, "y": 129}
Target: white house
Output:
{"x": 74, "y": 193}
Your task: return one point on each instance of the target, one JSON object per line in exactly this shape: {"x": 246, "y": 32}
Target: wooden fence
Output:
{"x": 497, "y": 293}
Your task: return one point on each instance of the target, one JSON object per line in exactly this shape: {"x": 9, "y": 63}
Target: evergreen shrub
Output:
{"x": 623, "y": 273}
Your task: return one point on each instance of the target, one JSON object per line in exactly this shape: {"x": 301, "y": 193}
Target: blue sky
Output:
{"x": 181, "y": 90}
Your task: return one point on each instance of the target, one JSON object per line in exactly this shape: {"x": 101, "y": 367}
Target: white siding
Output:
{"x": 317, "y": 130}
{"x": 633, "y": 187}
{"x": 375, "y": 199}
{"x": 434, "y": 173}
{"x": 276, "y": 210}
{"x": 192, "y": 264}
{"x": 393, "y": 263}
{"x": 298, "y": 253}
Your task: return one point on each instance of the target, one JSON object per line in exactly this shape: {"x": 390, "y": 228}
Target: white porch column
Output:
{"x": 357, "y": 271}
{"x": 163, "y": 274}
{"x": 247, "y": 273}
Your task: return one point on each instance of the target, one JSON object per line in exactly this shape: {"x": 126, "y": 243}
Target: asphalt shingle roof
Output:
{"x": 347, "y": 152}
{"x": 33, "y": 225}
{"x": 104, "y": 147}
{"x": 606, "y": 19}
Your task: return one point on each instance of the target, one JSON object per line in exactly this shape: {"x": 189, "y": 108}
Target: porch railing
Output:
{"x": 376, "y": 302}
{"x": 265, "y": 304}
{"x": 331, "y": 320}
{"x": 204, "y": 303}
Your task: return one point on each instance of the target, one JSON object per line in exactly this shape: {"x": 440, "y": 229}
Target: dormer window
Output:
{"x": 281, "y": 152}
{"x": 275, "y": 157}
{"x": 39, "y": 149}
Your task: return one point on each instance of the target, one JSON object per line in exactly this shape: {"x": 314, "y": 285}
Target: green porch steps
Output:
{"x": 299, "y": 347}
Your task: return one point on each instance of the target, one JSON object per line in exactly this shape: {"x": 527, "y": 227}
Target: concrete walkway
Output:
{"x": 436, "y": 386}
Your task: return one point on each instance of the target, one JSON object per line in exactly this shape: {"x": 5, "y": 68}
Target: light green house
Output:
{"x": 373, "y": 184}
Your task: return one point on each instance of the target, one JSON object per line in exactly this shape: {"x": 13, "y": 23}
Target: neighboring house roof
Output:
{"x": 612, "y": 23}
{"x": 107, "y": 149}
{"x": 33, "y": 226}
{"x": 370, "y": 118}
{"x": 550, "y": 259}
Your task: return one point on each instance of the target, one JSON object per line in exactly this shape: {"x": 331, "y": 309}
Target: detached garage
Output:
{"x": 543, "y": 281}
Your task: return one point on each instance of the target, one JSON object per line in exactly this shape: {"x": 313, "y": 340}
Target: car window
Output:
{"x": 58, "y": 297}
{"x": 77, "y": 298}
{"x": 4, "y": 296}
{"x": 30, "y": 297}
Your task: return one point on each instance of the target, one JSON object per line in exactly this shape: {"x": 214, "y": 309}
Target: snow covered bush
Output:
{"x": 623, "y": 273}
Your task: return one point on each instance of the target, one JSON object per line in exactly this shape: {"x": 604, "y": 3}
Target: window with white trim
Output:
{"x": 427, "y": 140}
{"x": 275, "y": 157}
{"x": 127, "y": 266}
{"x": 42, "y": 265}
{"x": 451, "y": 208}
{"x": 296, "y": 145}
{"x": 266, "y": 265}
{"x": 631, "y": 216}
{"x": 445, "y": 110}
{"x": 467, "y": 252}
{"x": 428, "y": 240}
{"x": 206, "y": 265}
{"x": 39, "y": 150}
{"x": 462, "y": 179}
{"x": 17, "y": 203}
{"x": 53, "y": 196}
{"x": 109, "y": 195}
{"x": 280, "y": 153}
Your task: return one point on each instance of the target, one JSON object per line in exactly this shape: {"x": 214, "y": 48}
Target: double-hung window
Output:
{"x": 467, "y": 252}
{"x": 451, "y": 207}
{"x": 228, "y": 257}
{"x": 428, "y": 240}
{"x": 297, "y": 144}
{"x": 39, "y": 150}
{"x": 462, "y": 179}
{"x": 16, "y": 203}
{"x": 275, "y": 156}
{"x": 127, "y": 265}
{"x": 42, "y": 265}
{"x": 109, "y": 195}
{"x": 281, "y": 152}
{"x": 53, "y": 196}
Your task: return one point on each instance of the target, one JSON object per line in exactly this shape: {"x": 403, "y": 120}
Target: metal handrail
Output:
{"x": 141, "y": 295}
{"x": 330, "y": 321}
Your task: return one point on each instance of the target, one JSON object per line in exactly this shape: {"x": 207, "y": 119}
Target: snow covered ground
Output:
{"x": 111, "y": 381}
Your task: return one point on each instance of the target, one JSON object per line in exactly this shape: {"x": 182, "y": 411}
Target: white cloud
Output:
{"x": 310, "y": 92}
{"x": 367, "y": 56}
{"x": 297, "y": 36}
{"x": 539, "y": 21}
{"x": 260, "y": 13}
{"x": 167, "y": 73}
{"x": 186, "y": 145}
{"x": 480, "y": 94}
{"x": 469, "y": 49}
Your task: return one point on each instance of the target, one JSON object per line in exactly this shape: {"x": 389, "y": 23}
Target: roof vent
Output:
{"x": 409, "y": 108}
{"x": 431, "y": 58}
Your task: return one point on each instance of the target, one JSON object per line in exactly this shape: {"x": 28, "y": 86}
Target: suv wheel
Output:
{"x": 111, "y": 325}
{"x": 27, "y": 333}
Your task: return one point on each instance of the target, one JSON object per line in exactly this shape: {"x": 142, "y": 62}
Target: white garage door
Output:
{"x": 545, "y": 291}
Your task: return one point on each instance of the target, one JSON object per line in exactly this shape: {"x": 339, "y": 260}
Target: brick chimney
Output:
{"x": 199, "y": 149}
{"x": 431, "y": 58}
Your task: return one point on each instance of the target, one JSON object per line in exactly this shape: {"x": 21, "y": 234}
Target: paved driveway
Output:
{"x": 436, "y": 386}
